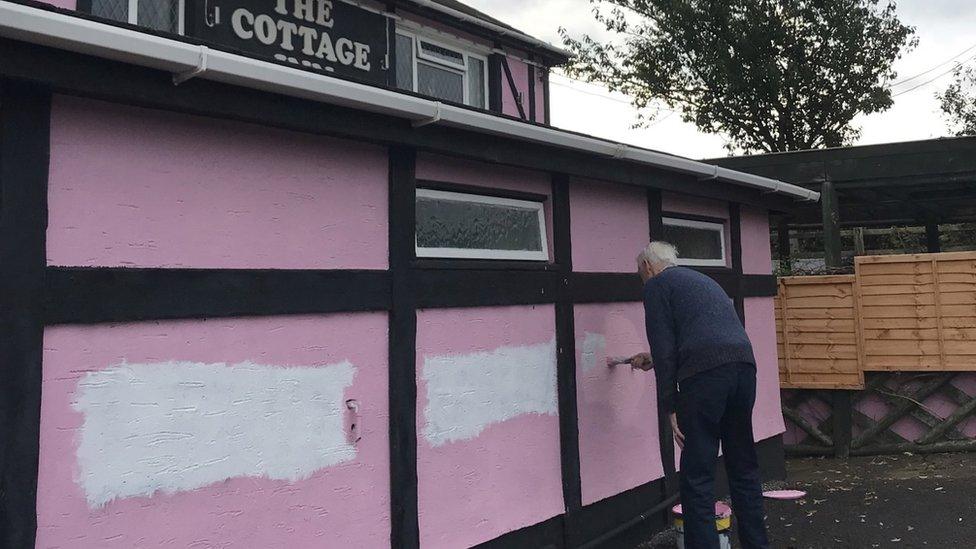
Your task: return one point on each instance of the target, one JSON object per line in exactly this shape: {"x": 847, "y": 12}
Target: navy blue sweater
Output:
{"x": 692, "y": 327}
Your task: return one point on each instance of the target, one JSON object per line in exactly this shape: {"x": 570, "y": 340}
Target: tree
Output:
{"x": 769, "y": 75}
{"x": 958, "y": 102}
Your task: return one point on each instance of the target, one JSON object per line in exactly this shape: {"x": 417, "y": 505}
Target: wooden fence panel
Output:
{"x": 817, "y": 333}
{"x": 918, "y": 312}
{"x": 897, "y": 313}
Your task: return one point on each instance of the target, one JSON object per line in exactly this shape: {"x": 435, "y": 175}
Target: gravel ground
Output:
{"x": 887, "y": 501}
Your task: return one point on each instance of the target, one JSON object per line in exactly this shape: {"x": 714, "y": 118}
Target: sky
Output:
{"x": 945, "y": 28}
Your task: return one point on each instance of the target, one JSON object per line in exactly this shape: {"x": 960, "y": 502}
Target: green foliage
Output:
{"x": 958, "y": 102}
{"x": 769, "y": 75}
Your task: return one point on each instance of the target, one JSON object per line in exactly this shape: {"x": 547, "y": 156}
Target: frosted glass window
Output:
{"x": 699, "y": 243}
{"x": 160, "y": 15}
{"x": 476, "y": 82}
{"x": 116, "y": 10}
{"x": 440, "y": 83}
{"x": 461, "y": 225}
{"x": 404, "y": 62}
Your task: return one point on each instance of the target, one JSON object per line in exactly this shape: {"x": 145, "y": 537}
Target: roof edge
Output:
{"x": 185, "y": 61}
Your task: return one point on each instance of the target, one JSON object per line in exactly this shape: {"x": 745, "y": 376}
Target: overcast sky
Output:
{"x": 945, "y": 29}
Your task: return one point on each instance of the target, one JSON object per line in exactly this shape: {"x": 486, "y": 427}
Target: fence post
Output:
{"x": 831, "y": 224}
{"x": 843, "y": 417}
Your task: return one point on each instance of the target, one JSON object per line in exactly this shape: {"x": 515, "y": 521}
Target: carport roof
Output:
{"x": 908, "y": 183}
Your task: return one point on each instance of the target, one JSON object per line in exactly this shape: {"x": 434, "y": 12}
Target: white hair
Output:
{"x": 659, "y": 253}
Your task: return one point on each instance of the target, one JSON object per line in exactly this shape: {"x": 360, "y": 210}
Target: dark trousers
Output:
{"x": 716, "y": 406}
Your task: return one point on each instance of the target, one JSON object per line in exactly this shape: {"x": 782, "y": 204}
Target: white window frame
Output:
{"x": 181, "y": 16}
{"x": 469, "y": 253}
{"x": 420, "y": 57}
{"x": 705, "y": 225}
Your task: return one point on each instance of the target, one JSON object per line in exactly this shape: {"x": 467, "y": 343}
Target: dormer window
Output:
{"x": 442, "y": 70}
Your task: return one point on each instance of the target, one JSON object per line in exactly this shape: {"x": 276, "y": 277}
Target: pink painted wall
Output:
{"x": 767, "y": 416}
{"x": 619, "y": 447}
{"x": 447, "y": 169}
{"x": 609, "y": 226}
{"x": 346, "y": 505}
{"x": 680, "y": 203}
{"x": 133, "y": 187}
{"x": 757, "y": 253}
{"x": 520, "y": 74}
{"x": 508, "y": 477}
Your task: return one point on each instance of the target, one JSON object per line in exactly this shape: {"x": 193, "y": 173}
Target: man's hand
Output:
{"x": 679, "y": 437}
{"x": 641, "y": 361}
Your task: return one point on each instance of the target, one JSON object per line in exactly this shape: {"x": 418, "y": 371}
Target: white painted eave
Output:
{"x": 185, "y": 61}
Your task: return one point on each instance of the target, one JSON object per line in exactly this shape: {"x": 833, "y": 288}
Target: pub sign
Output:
{"x": 328, "y": 36}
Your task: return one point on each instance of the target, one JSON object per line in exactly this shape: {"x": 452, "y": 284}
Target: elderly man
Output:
{"x": 706, "y": 374}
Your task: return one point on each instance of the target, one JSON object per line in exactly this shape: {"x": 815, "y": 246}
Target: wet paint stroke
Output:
{"x": 178, "y": 426}
{"x": 593, "y": 349}
{"x": 467, "y": 393}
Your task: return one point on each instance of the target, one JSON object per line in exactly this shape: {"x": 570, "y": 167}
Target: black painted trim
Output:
{"x": 84, "y": 295}
{"x": 545, "y": 535}
{"x": 735, "y": 230}
{"x": 695, "y": 217}
{"x": 603, "y": 517}
{"x": 605, "y": 287}
{"x": 405, "y": 533}
{"x": 655, "y": 213}
{"x": 450, "y": 288}
{"x": 85, "y": 6}
{"x": 25, "y": 121}
{"x": 131, "y": 85}
{"x": 516, "y": 93}
{"x": 532, "y": 106}
{"x": 482, "y": 191}
{"x": 482, "y": 265}
{"x": 495, "y": 82}
{"x": 758, "y": 286}
{"x": 566, "y": 348}
{"x": 93, "y": 295}
{"x": 547, "y": 110}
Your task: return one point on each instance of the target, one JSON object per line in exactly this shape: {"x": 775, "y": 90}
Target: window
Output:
{"x": 161, "y": 15}
{"x": 470, "y": 226}
{"x": 699, "y": 243}
{"x": 440, "y": 70}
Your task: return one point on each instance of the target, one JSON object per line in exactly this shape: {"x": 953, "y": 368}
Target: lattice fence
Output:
{"x": 896, "y": 412}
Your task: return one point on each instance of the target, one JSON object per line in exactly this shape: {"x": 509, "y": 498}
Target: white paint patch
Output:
{"x": 468, "y": 393}
{"x": 594, "y": 347}
{"x": 177, "y": 426}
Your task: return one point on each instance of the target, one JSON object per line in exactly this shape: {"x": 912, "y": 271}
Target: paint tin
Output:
{"x": 723, "y": 522}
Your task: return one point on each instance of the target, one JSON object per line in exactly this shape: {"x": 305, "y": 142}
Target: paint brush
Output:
{"x": 617, "y": 361}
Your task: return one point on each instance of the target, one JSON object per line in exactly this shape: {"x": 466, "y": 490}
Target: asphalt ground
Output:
{"x": 886, "y": 501}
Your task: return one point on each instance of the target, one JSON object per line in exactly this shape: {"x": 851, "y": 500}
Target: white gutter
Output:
{"x": 186, "y": 61}
{"x": 488, "y": 25}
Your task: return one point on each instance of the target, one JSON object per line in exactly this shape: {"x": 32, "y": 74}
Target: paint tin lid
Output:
{"x": 785, "y": 494}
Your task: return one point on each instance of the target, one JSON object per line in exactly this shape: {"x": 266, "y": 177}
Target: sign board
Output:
{"x": 328, "y": 36}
